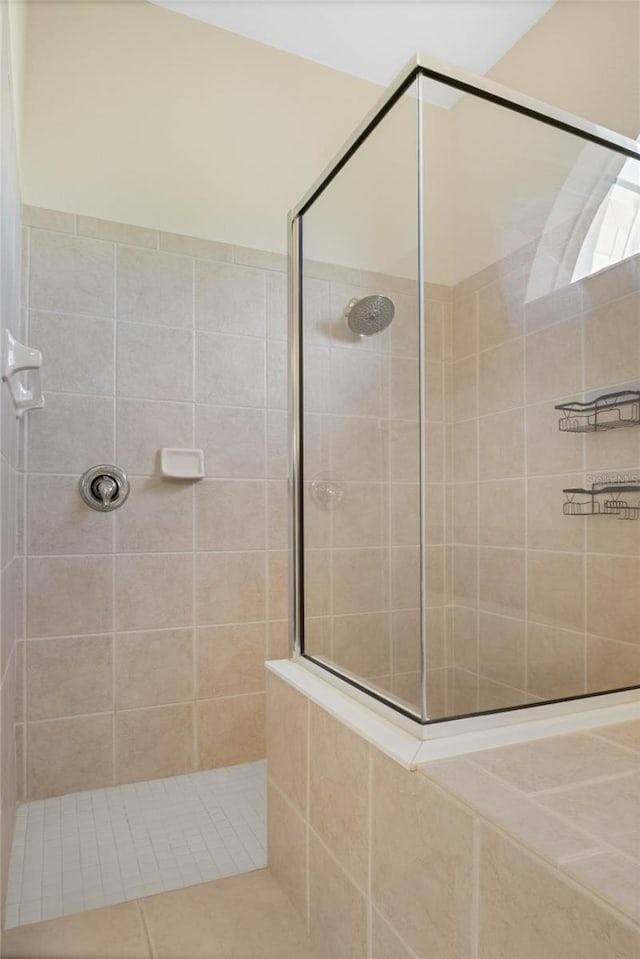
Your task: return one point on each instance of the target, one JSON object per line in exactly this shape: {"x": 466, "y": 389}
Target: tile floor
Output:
{"x": 246, "y": 917}
{"x": 105, "y": 846}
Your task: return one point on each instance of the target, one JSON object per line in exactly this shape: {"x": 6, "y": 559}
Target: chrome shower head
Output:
{"x": 371, "y": 314}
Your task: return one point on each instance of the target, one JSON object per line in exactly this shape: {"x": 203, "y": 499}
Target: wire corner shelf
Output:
{"x": 604, "y": 499}
{"x": 610, "y": 411}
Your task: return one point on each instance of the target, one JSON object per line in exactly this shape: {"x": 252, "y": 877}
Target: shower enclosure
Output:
{"x": 465, "y": 404}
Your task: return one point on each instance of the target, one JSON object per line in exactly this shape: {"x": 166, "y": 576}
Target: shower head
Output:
{"x": 371, "y": 314}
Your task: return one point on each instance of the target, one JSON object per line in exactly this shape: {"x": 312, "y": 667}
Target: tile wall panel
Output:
{"x": 147, "y": 629}
{"x": 561, "y": 591}
{"x": 188, "y": 349}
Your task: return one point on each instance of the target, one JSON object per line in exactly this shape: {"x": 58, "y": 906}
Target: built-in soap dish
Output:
{"x": 182, "y": 464}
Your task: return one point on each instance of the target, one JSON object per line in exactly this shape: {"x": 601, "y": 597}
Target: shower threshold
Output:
{"x": 105, "y": 846}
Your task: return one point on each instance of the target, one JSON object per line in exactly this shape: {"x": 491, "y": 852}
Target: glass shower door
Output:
{"x": 360, "y": 349}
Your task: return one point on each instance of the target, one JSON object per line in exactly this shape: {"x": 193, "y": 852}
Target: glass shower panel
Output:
{"x": 541, "y": 406}
{"x": 470, "y": 347}
{"x": 361, "y": 413}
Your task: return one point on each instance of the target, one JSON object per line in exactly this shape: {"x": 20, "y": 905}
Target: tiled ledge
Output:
{"x": 410, "y": 744}
{"x": 380, "y": 859}
{"x": 574, "y": 800}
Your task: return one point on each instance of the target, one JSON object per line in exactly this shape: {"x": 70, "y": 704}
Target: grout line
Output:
{"x": 534, "y": 549}
{"x": 603, "y": 847}
{"x": 525, "y": 454}
{"x": 213, "y": 479}
{"x": 579, "y": 317}
{"x": 475, "y": 888}
{"x": 600, "y": 735}
{"x": 153, "y": 553}
{"x": 582, "y": 783}
{"x": 194, "y": 562}
{"x": 326, "y": 549}
{"x": 488, "y": 679}
{"x": 26, "y": 578}
{"x": 382, "y": 918}
{"x": 585, "y": 534}
{"x": 157, "y": 629}
{"x": 332, "y": 855}
{"x": 532, "y": 796}
{"x": 370, "y": 856}
{"x": 445, "y": 322}
{"x": 599, "y": 846}
{"x": 11, "y": 657}
{"x": 176, "y": 400}
{"x": 308, "y": 820}
{"x": 265, "y": 457}
{"x": 594, "y": 853}
{"x": 381, "y": 422}
{"x": 386, "y": 455}
{"x": 155, "y": 706}
{"x": 114, "y": 524}
{"x": 330, "y": 456}
{"x": 146, "y": 927}
{"x": 477, "y": 516}
{"x": 587, "y": 891}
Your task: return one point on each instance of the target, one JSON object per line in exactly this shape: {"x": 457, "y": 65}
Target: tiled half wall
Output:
{"x": 382, "y": 861}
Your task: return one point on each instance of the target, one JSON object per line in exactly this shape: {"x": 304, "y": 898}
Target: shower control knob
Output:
{"x": 104, "y": 488}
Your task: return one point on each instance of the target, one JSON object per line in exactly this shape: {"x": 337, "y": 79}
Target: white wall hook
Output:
{"x": 18, "y": 358}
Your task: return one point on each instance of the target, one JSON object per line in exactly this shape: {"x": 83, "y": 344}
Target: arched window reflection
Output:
{"x": 614, "y": 233}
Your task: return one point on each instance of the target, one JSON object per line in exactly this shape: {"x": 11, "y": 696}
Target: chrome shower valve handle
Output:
{"x": 104, "y": 488}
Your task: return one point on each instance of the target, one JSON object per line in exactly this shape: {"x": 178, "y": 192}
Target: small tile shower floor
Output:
{"x": 106, "y": 846}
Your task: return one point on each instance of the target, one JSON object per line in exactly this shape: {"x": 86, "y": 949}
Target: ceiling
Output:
{"x": 374, "y": 39}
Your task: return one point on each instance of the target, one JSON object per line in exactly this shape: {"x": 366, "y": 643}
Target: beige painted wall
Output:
{"x": 148, "y": 117}
{"x": 18, "y": 10}
{"x": 138, "y": 114}
{"x": 511, "y": 180}
{"x": 583, "y": 57}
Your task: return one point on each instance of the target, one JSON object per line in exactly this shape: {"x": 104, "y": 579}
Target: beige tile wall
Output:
{"x": 361, "y": 408}
{"x": 380, "y": 861}
{"x": 543, "y": 605}
{"x": 164, "y": 612}
{"x": 12, "y": 433}
{"x": 521, "y": 600}
{"x": 147, "y": 629}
